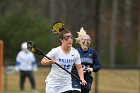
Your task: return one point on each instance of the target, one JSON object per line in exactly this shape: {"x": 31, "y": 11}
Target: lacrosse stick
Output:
{"x": 32, "y": 47}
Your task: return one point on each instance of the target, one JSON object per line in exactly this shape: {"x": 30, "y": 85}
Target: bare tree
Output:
{"x": 128, "y": 29}
{"x": 138, "y": 56}
{"x": 64, "y": 9}
{"x": 113, "y": 32}
{"x": 100, "y": 19}
{"x": 52, "y": 10}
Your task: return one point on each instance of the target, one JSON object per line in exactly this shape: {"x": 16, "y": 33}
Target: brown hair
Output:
{"x": 62, "y": 32}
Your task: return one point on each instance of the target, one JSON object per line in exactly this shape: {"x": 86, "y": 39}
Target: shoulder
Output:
{"x": 56, "y": 49}
{"x": 78, "y": 49}
{"x": 75, "y": 52}
{"x": 30, "y": 53}
{"x": 76, "y": 55}
{"x": 93, "y": 51}
{"x": 74, "y": 49}
{"x": 20, "y": 52}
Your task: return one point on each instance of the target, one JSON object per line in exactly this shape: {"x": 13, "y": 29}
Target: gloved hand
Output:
{"x": 35, "y": 69}
{"x": 89, "y": 69}
{"x": 17, "y": 68}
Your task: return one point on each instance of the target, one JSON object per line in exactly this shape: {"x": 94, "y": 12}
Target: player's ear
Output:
{"x": 60, "y": 41}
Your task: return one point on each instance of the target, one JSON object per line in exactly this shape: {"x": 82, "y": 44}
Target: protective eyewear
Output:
{"x": 85, "y": 41}
{"x": 67, "y": 37}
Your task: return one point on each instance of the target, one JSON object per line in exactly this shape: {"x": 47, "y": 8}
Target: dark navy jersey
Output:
{"x": 89, "y": 58}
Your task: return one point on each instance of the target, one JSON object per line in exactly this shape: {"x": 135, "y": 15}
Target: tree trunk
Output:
{"x": 113, "y": 33}
{"x": 127, "y": 31}
{"x": 52, "y": 9}
{"x": 138, "y": 56}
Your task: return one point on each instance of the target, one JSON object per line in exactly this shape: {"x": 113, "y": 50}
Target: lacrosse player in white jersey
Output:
{"x": 26, "y": 65}
{"x": 58, "y": 80}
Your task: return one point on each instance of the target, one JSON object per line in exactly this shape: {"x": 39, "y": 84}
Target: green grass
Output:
{"x": 110, "y": 81}
{"x": 119, "y": 81}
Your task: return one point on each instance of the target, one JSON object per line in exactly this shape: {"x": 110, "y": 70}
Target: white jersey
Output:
{"x": 59, "y": 77}
{"x": 25, "y": 61}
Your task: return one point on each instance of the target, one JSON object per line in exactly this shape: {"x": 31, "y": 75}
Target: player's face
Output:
{"x": 85, "y": 43}
{"x": 67, "y": 39}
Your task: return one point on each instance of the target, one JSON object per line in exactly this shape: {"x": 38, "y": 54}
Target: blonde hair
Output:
{"x": 82, "y": 35}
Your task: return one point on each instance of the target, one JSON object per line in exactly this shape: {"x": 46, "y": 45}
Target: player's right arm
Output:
{"x": 46, "y": 61}
{"x": 79, "y": 68}
{"x": 51, "y": 54}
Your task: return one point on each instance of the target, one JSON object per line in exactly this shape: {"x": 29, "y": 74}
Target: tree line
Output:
{"x": 112, "y": 24}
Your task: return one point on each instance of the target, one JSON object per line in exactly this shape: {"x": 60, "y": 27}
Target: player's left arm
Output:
{"x": 81, "y": 74}
{"x": 97, "y": 65}
{"x": 79, "y": 68}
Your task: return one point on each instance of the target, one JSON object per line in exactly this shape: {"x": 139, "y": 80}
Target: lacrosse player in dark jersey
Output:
{"x": 89, "y": 60}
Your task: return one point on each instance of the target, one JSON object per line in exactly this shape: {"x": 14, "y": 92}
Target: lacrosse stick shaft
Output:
{"x": 63, "y": 68}
{"x": 34, "y": 49}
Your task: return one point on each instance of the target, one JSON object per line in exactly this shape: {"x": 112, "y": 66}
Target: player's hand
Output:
{"x": 83, "y": 82}
{"x": 35, "y": 69}
{"x": 53, "y": 62}
{"x": 45, "y": 61}
{"x": 17, "y": 69}
{"x": 89, "y": 69}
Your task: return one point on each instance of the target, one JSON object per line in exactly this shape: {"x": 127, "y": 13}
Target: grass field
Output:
{"x": 110, "y": 81}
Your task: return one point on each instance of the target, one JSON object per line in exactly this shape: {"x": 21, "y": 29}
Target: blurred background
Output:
{"x": 114, "y": 26}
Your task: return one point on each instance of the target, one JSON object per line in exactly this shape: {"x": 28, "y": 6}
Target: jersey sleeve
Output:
{"x": 18, "y": 57}
{"x": 77, "y": 57}
{"x": 17, "y": 65}
{"x": 97, "y": 64}
{"x": 52, "y": 53}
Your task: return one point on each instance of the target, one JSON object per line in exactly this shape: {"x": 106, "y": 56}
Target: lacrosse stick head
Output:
{"x": 57, "y": 27}
{"x": 32, "y": 47}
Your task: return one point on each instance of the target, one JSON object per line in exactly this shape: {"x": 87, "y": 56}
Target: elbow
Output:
{"x": 43, "y": 62}
{"x": 97, "y": 68}
{"x": 100, "y": 67}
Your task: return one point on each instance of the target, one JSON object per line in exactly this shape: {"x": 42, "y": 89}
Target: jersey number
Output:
{"x": 67, "y": 67}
